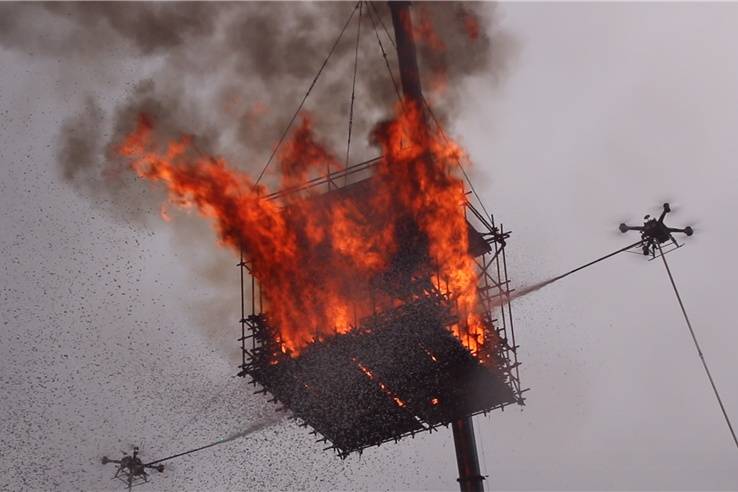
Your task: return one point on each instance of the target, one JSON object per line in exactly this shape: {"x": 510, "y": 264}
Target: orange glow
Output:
{"x": 164, "y": 213}
{"x": 314, "y": 258}
{"x": 417, "y": 171}
{"x": 424, "y": 32}
{"x": 435, "y": 49}
{"x": 434, "y": 401}
{"x": 382, "y": 386}
{"x": 471, "y": 24}
{"x": 430, "y": 354}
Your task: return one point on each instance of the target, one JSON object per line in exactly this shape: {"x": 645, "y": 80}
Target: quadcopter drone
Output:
{"x": 654, "y": 232}
{"x": 131, "y": 470}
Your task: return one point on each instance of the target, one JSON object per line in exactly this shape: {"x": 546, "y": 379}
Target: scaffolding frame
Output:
{"x": 259, "y": 340}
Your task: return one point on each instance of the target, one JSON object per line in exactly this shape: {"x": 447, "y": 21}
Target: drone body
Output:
{"x": 654, "y": 232}
{"x": 131, "y": 470}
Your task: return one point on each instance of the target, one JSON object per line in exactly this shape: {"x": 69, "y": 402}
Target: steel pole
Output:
{"x": 470, "y": 480}
{"x": 406, "y": 52}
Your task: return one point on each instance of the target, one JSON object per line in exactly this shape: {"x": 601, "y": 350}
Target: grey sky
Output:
{"x": 115, "y": 333}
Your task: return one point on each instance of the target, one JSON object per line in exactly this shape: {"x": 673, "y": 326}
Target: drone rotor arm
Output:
{"x": 625, "y": 228}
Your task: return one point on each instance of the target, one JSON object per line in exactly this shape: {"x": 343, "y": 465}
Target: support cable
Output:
{"x": 458, "y": 161}
{"x": 697, "y": 346}
{"x": 425, "y": 102}
{"x": 379, "y": 18}
{"x": 353, "y": 93}
{"x": 384, "y": 53}
{"x": 299, "y": 108}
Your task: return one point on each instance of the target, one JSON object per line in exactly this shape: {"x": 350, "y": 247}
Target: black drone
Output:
{"x": 654, "y": 232}
{"x": 131, "y": 470}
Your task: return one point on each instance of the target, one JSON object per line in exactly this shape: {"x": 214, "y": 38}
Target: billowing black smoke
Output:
{"x": 231, "y": 75}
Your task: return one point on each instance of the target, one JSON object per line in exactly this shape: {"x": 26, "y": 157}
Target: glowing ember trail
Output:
{"x": 381, "y": 385}
{"x": 311, "y": 255}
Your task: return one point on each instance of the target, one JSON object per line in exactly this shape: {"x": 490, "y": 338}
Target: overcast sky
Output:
{"x": 113, "y": 333}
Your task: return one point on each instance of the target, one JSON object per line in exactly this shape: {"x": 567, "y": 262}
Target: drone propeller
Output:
{"x": 674, "y": 205}
{"x": 690, "y": 230}
{"x": 616, "y": 232}
{"x": 687, "y": 230}
{"x": 696, "y": 225}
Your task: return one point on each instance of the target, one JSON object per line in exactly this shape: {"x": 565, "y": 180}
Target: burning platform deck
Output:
{"x": 401, "y": 368}
{"x": 398, "y": 373}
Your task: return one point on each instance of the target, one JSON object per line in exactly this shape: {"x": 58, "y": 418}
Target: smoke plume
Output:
{"x": 230, "y": 75}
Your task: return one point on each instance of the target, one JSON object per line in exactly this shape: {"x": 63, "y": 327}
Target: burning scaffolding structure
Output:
{"x": 379, "y": 292}
{"x": 420, "y": 332}
{"x": 408, "y": 360}
{"x": 403, "y": 366}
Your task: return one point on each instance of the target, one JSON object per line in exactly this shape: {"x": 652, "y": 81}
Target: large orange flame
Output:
{"x": 313, "y": 256}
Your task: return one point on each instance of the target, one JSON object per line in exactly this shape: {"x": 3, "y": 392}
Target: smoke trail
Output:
{"x": 249, "y": 430}
{"x": 503, "y": 298}
{"x": 533, "y": 288}
{"x": 253, "y": 428}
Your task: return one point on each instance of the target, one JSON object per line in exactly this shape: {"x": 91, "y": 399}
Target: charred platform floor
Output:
{"x": 400, "y": 372}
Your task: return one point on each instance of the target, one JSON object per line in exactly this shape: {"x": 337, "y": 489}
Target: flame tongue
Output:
{"x": 314, "y": 257}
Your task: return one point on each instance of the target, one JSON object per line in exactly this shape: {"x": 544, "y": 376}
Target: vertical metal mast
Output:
{"x": 406, "y": 54}
{"x": 470, "y": 479}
